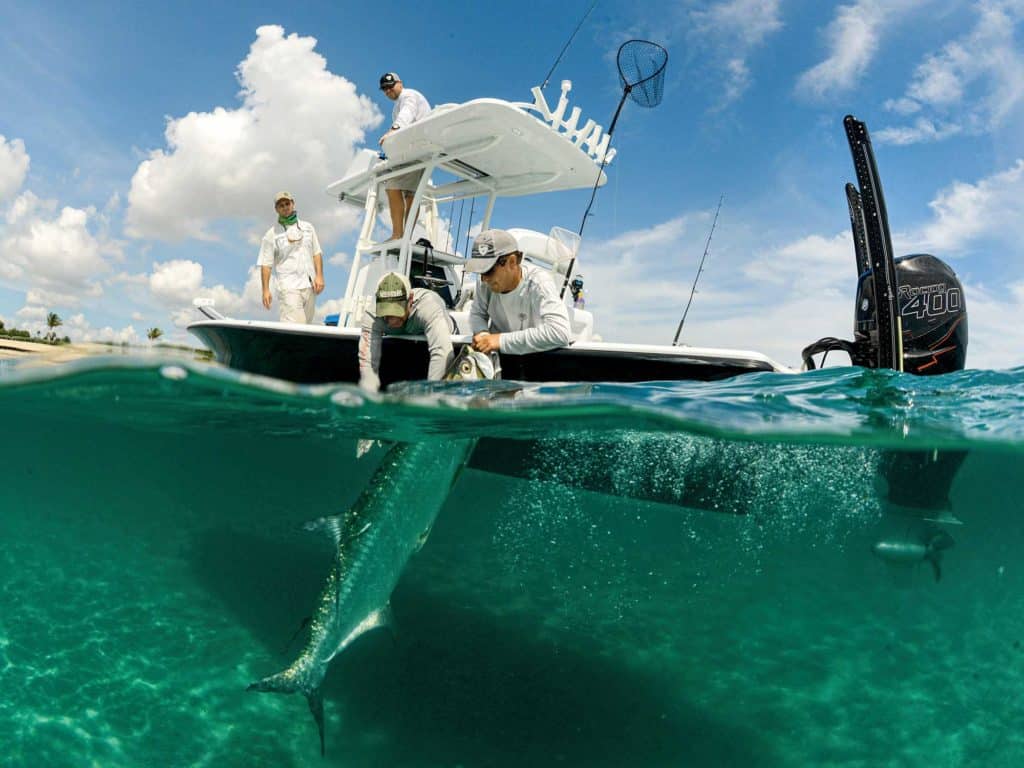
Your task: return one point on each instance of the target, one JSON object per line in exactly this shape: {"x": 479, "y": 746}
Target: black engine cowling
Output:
{"x": 932, "y": 311}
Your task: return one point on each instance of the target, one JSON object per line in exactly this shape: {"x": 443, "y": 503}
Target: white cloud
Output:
{"x": 340, "y": 259}
{"x": 14, "y": 163}
{"x": 922, "y": 130}
{"x": 29, "y": 313}
{"x": 760, "y": 303}
{"x": 971, "y": 85}
{"x": 296, "y": 129}
{"x": 994, "y": 342}
{"x": 53, "y": 251}
{"x": 965, "y": 213}
{"x": 176, "y": 283}
{"x": 735, "y": 28}
{"x": 77, "y": 328}
{"x": 853, "y": 36}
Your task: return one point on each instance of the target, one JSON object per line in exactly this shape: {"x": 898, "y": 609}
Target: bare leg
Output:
{"x": 408, "y": 196}
{"x": 396, "y": 203}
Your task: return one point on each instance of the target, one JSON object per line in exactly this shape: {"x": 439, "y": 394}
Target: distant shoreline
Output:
{"x": 55, "y": 354}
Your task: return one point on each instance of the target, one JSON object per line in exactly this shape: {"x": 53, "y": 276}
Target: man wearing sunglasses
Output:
{"x": 516, "y": 309}
{"x": 410, "y": 106}
{"x": 291, "y": 249}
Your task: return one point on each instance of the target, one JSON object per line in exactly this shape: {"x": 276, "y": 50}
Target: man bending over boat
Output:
{"x": 516, "y": 309}
{"x": 410, "y": 106}
{"x": 401, "y": 309}
{"x": 291, "y": 249}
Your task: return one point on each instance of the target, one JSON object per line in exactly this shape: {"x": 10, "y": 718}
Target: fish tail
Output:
{"x": 285, "y": 682}
{"x": 316, "y": 708}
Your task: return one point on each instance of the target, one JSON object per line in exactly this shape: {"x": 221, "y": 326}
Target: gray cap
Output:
{"x": 488, "y": 246}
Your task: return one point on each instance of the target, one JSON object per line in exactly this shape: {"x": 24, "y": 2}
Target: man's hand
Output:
{"x": 487, "y": 342}
{"x": 318, "y": 284}
{"x": 267, "y": 298}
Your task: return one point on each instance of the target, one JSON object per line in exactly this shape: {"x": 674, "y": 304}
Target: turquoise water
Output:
{"x": 153, "y": 565}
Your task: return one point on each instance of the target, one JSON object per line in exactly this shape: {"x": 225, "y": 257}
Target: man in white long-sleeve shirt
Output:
{"x": 516, "y": 309}
{"x": 410, "y": 106}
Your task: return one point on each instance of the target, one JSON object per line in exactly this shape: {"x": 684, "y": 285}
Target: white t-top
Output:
{"x": 290, "y": 252}
{"x": 530, "y": 318}
{"x": 410, "y": 106}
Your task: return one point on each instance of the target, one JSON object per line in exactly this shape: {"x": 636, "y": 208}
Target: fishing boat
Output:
{"x": 480, "y": 151}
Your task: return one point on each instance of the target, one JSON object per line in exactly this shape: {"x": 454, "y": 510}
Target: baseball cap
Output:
{"x": 283, "y": 196}
{"x": 392, "y": 295}
{"x": 388, "y": 79}
{"x": 488, "y": 247}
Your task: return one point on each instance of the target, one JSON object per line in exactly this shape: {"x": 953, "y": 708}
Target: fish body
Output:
{"x": 373, "y": 542}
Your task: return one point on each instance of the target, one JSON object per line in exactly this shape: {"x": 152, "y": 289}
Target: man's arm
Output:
{"x": 265, "y": 279}
{"x": 479, "y": 313}
{"x": 553, "y": 331}
{"x": 433, "y": 314}
{"x": 318, "y": 262}
{"x": 369, "y": 352}
{"x": 265, "y": 260}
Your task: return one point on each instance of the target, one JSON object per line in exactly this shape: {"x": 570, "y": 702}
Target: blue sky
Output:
{"x": 142, "y": 145}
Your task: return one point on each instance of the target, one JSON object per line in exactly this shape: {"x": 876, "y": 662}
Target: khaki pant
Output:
{"x": 297, "y": 305}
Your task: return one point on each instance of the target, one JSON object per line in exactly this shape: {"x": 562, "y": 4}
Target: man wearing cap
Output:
{"x": 292, "y": 250}
{"x": 516, "y": 309}
{"x": 401, "y": 309}
{"x": 410, "y": 106}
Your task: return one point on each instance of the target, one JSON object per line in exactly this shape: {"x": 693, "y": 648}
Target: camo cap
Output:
{"x": 392, "y": 295}
{"x": 489, "y": 246}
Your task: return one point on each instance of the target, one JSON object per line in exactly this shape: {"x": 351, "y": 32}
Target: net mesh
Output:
{"x": 642, "y": 71}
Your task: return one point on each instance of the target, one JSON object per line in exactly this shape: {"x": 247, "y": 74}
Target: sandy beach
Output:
{"x": 51, "y": 354}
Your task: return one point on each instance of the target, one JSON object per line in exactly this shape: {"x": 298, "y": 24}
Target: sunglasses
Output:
{"x": 502, "y": 260}
{"x": 387, "y": 88}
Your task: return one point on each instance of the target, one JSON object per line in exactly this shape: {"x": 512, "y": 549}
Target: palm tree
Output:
{"x": 53, "y": 321}
{"x": 154, "y": 333}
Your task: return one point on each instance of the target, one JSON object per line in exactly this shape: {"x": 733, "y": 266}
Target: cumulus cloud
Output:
{"x": 296, "y": 128}
{"x": 14, "y": 163}
{"x": 53, "y": 251}
{"x": 177, "y": 282}
{"x": 922, "y": 130}
{"x": 743, "y": 301}
{"x": 994, "y": 342}
{"x": 735, "y": 29}
{"x": 853, "y": 36}
{"x": 77, "y": 328}
{"x": 964, "y": 213}
{"x": 970, "y": 85}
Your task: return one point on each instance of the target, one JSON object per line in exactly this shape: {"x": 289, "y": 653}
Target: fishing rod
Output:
{"x": 565, "y": 47}
{"x": 700, "y": 268}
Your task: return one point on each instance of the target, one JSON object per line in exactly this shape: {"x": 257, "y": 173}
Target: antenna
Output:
{"x": 700, "y": 268}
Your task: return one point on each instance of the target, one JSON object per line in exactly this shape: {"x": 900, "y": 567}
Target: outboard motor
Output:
{"x": 910, "y": 316}
{"x": 932, "y": 316}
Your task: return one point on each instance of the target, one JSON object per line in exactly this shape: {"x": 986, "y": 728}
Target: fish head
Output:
{"x": 470, "y": 365}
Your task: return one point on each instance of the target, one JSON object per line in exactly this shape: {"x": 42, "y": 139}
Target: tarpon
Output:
{"x": 373, "y": 541}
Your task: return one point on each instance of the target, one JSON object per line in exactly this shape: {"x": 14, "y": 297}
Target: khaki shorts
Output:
{"x": 407, "y": 182}
{"x": 297, "y": 305}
